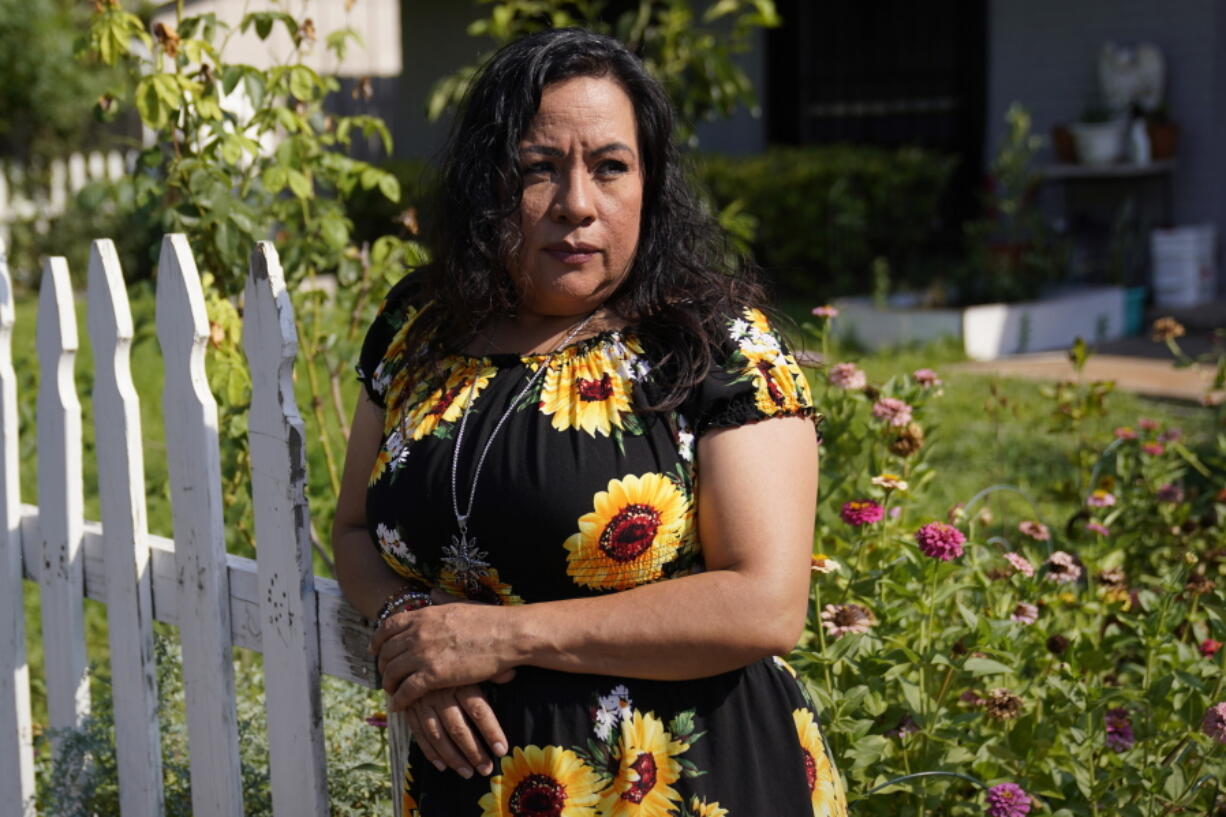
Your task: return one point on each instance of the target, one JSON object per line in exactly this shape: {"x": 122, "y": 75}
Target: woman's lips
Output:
{"x": 571, "y": 255}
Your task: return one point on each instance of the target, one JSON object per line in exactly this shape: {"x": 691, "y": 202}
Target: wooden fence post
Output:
{"x": 17, "y": 758}
{"x": 288, "y": 604}
{"x": 60, "y": 502}
{"x": 200, "y": 558}
{"x": 121, "y": 490}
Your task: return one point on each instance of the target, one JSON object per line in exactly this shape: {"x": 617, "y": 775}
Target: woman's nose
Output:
{"x": 574, "y": 202}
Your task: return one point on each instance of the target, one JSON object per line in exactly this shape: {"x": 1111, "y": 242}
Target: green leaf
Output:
{"x": 302, "y": 82}
{"x": 333, "y": 230}
{"x": 275, "y": 178}
{"x": 299, "y": 183}
{"x": 389, "y": 186}
{"x": 986, "y": 666}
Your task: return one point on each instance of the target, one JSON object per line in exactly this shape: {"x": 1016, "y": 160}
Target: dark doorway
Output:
{"x": 883, "y": 72}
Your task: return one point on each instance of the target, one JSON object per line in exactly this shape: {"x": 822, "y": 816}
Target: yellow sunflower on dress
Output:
{"x": 780, "y": 386}
{"x": 825, "y": 788}
{"x": 701, "y": 808}
{"x": 635, "y": 528}
{"x": 408, "y": 803}
{"x": 486, "y": 587}
{"x": 591, "y": 390}
{"x": 757, "y": 319}
{"x": 542, "y": 781}
{"x": 646, "y": 771}
{"x": 446, "y": 403}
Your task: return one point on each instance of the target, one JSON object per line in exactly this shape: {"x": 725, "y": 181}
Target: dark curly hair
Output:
{"x": 684, "y": 281}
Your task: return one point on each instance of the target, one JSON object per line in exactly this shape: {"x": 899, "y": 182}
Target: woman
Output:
{"x": 578, "y": 422}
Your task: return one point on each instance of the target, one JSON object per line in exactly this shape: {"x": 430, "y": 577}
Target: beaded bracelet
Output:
{"x": 407, "y": 600}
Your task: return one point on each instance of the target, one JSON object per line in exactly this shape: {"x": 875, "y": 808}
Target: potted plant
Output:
{"x": 1162, "y": 131}
{"x": 1099, "y": 135}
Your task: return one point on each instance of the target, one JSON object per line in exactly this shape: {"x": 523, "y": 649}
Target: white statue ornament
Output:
{"x": 1131, "y": 76}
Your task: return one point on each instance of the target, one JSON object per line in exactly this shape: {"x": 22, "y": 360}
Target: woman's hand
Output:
{"x": 443, "y": 725}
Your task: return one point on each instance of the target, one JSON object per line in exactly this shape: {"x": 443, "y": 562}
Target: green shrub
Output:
{"x": 825, "y": 213}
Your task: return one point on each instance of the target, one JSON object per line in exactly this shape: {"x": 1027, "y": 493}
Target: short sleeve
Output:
{"x": 380, "y": 356}
{"x": 753, "y": 377}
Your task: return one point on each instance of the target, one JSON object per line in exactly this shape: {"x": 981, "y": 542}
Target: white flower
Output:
{"x": 685, "y": 440}
{"x": 390, "y": 541}
{"x": 605, "y": 721}
{"x": 381, "y": 379}
{"x": 739, "y": 329}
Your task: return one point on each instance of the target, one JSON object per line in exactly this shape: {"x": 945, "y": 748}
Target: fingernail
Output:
{"x": 499, "y": 749}
{"x": 486, "y": 768}
{"x": 464, "y": 772}
{"x": 440, "y": 765}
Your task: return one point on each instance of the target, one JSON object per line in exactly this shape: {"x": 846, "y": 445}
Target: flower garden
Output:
{"x": 1047, "y": 648}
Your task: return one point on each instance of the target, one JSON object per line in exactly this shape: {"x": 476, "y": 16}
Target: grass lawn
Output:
{"x": 982, "y": 437}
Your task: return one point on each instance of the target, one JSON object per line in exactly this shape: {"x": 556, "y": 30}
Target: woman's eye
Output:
{"x": 612, "y": 167}
{"x": 535, "y": 168}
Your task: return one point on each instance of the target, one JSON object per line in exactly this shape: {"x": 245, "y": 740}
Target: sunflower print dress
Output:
{"x": 582, "y": 495}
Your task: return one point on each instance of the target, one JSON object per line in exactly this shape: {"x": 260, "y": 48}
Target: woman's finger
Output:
{"x": 481, "y": 715}
{"x": 463, "y": 735}
{"x": 419, "y": 735}
{"x": 437, "y": 733}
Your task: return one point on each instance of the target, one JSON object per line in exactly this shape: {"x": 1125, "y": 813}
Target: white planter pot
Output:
{"x": 1099, "y": 143}
{"x": 991, "y": 331}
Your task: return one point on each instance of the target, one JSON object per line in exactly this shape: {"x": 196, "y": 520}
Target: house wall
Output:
{"x": 1044, "y": 54}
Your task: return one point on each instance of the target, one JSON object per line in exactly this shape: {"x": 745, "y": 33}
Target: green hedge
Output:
{"x": 824, "y": 213}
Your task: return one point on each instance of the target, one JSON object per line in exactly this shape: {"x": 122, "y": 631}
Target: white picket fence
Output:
{"x": 274, "y": 605}
{"x": 66, "y": 177}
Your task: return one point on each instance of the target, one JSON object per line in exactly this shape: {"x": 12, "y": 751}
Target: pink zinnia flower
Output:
{"x": 1125, "y": 433}
{"x": 1020, "y": 563}
{"x": 894, "y": 411}
{"x": 1119, "y": 730}
{"x": 1062, "y": 568}
{"x": 847, "y": 376}
{"x": 1025, "y": 613}
{"x": 1154, "y": 449}
{"x": 862, "y": 512}
{"x": 940, "y": 541}
{"x": 1095, "y": 527}
{"x": 1171, "y": 435}
{"x": 826, "y": 311}
{"x": 1008, "y": 800}
{"x": 926, "y": 377}
{"x": 1209, "y": 647}
{"x": 841, "y": 619}
{"x": 1099, "y": 498}
{"x": 1170, "y": 493}
{"x": 378, "y": 720}
{"x": 1035, "y": 530}
{"x": 1214, "y": 722}
{"x": 1148, "y": 424}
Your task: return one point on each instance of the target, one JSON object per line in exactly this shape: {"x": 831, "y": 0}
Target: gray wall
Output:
{"x": 1044, "y": 54}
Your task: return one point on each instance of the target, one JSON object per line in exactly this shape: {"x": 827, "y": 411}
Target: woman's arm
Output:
{"x": 442, "y": 721}
{"x": 756, "y": 498}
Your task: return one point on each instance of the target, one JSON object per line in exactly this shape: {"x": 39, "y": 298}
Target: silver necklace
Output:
{"x": 462, "y": 557}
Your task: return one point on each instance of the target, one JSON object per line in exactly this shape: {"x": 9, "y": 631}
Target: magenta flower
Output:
{"x": 1062, "y": 567}
{"x": 1119, "y": 730}
{"x": 1171, "y": 435}
{"x": 940, "y": 541}
{"x": 1099, "y": 498}
{"x": 1171, "y": 493}
{"x": 1148, "y": 424}
{"x": 926, "y": 377}
{"x": 1025, "y": 613}
{"x": 847, "y": 376}
{"x": 1125, "y": 433}
{"x": 1154, "y": 449}
{"x": 861, "y": 512}
{"x": 1209, "y": 647}
{"x": 1095, "y": 527}
{"x": 1035, "y": 530}
{"x": 1214, "y": 722}
{"x": 826, "y": 311}
{"x": 1020, "y": 563}
{"x": 893, "y": 411}
{"x": 378, "y": 720}
{"x": 1008, "y": 800}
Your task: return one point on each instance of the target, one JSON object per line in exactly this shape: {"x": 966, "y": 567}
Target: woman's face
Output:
{"x": 582, "y": 197}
